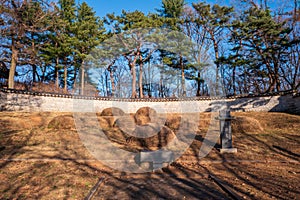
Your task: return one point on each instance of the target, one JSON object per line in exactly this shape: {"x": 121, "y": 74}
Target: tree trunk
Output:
{"x": 13, "y": 66}
{"x": 33, "y": 73}
{"x": 57, "y": 73}
{"x": 107, "y": 85}
{"x": 82, "y": 79}
{"x": 278, "y": 84}
{"x": 198, "y": 85}
{"x": 65, "y": 78}
{"x": 216, "y": 49}
{"x": 271, "y": 84}
{"x": 133, "y": 85}
{"x": 141, "y": 78}
{"x": 160, "y": 91}
{"x": 112, "y": 80}
{"x": 276, "y": 75}
{"x": 75, "y": 77}
{"x": 182, "y": 76}
{"x": 43, "y": 76}
{"x": 245, "y": 83}
{"x": 149, "y": 80}
{"x": 233, "y": 80}
{"x": 33, "y": 51}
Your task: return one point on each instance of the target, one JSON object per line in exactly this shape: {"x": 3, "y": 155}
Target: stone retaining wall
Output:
{"x": 10, "y": 101}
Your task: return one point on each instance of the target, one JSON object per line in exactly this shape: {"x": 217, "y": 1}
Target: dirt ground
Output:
{"x": 43, "y": 157}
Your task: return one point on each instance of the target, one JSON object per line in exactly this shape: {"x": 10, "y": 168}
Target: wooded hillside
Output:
{"x": 217, "y": 50}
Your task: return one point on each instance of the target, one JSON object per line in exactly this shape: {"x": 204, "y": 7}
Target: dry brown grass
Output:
{"x": 62, "y": 122}
{"x": 159, "y": 140}
{"x": 40, "y": 87}
{"x": 112, "y": 112}
{"x": 267, "y": 122}
{"x": 246, "y": 124}
{"x": 173, "y": 121}
{"x": 145, "y": 115}
{"x": 72, "y": 175}
{"x": 126, "y": 123}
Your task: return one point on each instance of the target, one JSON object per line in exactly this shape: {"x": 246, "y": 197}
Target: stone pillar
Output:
{"x": 225, "y": 132}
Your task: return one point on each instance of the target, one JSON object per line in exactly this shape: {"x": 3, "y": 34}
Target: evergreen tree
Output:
{"x": 67, "y": 36}
{"x": 262, "y": 45}
{"x": 61, "y": 47}
{"x": 35, "y": 39}
{"x": 172, "y": 11}
{"x": 50, "y": 53}
{"x": 88, "y": 34}
{"x": 18, "y": 20}
{"x": 213, "y": 19}
{"x": 132, "y": 29}
{"x": 198, "y": 34}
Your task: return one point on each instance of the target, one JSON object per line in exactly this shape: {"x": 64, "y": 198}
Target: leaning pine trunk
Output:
{"x": 271, "y": 84}
{"x": 13, "y": 66}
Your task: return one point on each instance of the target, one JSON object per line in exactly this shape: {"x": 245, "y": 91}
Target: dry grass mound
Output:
{"x": 126, "y": 124}
{"x": 116, "y": 136}
{"x": 113, "y": 111}
{"x": 246, "y": 124}
{"x": 173, "y": 121}
{"x": 62, "y": 122}
{"x": 161, "y": 139}
{"x": 147, "y": 130}
{"x": 104, "y": 124}
{"x": 281, "y": 121}
{"x": 145, "y": 115}
{"x": 110, "y": 120}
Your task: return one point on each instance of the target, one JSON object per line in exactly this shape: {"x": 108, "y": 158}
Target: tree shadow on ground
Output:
{"x": 42, "y": 163}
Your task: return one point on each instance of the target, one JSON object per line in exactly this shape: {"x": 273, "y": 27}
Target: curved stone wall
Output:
{"x": 43, "y": 102}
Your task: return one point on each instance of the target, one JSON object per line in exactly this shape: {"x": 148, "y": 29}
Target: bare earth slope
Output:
{"x": 42, "y": 157}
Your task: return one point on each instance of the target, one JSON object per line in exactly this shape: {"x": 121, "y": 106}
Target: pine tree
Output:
{"x": 261, "y": 44}
{"x": 60, "y": 49}
{"x": 198, "y": 34}
{"x": 132, "y": 29}
{"x": 67, "y": 36}
{"x": 89, "y": 33}
{"x": 172, "y": 11}
{"x": 213, "y": 19}
{"x": 18, "y": 19}
{"x": 36, "y": 39}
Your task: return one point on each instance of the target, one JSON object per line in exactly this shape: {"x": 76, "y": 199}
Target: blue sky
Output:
{"x": 103, "y": 7}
